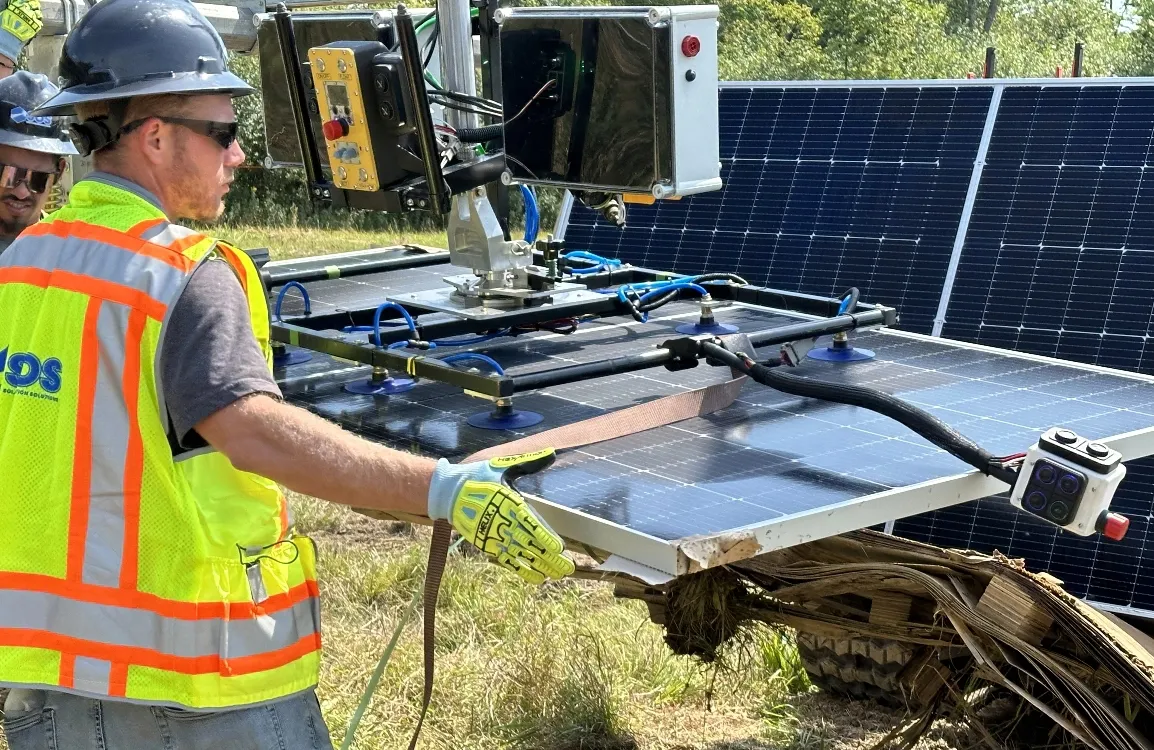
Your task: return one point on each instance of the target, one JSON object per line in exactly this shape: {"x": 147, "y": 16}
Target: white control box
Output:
{"x": 1069, "y": 481}
{"x": 612, "y": 99}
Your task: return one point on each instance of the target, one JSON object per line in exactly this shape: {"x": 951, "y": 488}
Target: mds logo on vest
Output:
{"x": 25, "y": 374}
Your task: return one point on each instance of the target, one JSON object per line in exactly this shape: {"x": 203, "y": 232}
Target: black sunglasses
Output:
{"x": 37, "y": 182}
{"x": 224, "y": 133}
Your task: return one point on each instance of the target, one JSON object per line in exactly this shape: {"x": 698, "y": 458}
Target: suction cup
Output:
{"x": 380, "y": 386}
{"x": 505, "y": 418}
{"x": 294, "y": 357}
{"x": 841, "y": 351}
{"x": 696, "y": 329}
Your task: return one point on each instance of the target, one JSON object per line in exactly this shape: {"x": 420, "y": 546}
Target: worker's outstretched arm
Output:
{"x": 305, "y": 453}
{"x": 314, "y": 457}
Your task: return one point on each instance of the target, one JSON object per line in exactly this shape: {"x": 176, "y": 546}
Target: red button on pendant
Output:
{"x": 334, "y": 129}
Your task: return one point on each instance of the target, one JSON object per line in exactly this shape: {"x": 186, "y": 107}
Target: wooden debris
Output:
{"x": 1014, "y": 610}
{"x": 890, "y": 608}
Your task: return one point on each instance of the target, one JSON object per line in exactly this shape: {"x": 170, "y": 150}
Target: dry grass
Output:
{"x": 562, "y": 666}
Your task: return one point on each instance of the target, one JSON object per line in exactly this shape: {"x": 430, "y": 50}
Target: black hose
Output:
{"x": 482, "y": 134}
{"x": 854, "y": 295}
{"x": 920, "y": 421}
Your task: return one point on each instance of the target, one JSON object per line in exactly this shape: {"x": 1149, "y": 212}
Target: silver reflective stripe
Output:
{"x": 98, "y": 260}
{"x": 104, "y": 545}
{"x": 123, "y": 626}
{"x": 166, "y": 234}
{"x": 93, "y": 674}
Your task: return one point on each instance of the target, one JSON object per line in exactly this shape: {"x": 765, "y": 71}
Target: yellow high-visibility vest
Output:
{"x": 126, "y": 571}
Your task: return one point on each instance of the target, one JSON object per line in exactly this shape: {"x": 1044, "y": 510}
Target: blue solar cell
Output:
{"x": 828, "y": 188}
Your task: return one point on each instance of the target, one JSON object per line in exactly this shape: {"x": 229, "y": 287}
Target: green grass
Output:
{"x": 559, "y": 667}
{"x": 295, "y": 242}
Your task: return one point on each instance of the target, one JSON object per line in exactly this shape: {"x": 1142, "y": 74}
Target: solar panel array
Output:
{"x": 825, "y": 188}
{"x": 1057, "y": 258}
{"x": 1055, "y": 243}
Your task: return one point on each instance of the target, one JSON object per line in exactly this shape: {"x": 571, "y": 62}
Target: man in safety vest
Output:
{"x": 153, "y": 593}
{"x": 32, "y": 151}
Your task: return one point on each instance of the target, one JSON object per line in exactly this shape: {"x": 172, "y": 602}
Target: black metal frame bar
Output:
{"x": 391, "y": 259}
{"x": 315, "y": 332}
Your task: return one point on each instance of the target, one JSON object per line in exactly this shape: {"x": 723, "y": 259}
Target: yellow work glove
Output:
{"x": 478, "y": 501}
{"x": 22, "y": 19}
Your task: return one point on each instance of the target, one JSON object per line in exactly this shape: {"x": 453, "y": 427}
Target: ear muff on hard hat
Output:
{"x": 20, "y": 94}
{"x": 92, "y": 135}
{"x": 122, "y": 49}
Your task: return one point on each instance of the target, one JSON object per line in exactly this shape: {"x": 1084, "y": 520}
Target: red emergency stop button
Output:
{"x": 1113, "y": 525}
{"x": 690, "y": 46}
{"x": 334, "y": 129}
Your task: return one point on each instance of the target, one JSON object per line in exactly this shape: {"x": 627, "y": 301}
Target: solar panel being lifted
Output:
{"x": 824, "y": 188}
{"x": 1048, "y": 251}
{"x": 770, "y": 469}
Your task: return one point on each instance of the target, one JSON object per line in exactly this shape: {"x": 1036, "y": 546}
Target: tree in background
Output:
{"x": 795, "y": 40}
{"x": 1035, "y": 37}
{"x": 886, "y": 39}
{"x": 778, "y": 41}
{"x": 1140, "y": 60}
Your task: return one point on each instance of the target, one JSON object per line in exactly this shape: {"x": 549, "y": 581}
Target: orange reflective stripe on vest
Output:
{"x": 84, "y": 231}
{"x": 126, "y": 571}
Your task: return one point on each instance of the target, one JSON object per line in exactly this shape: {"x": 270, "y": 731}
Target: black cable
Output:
{"x": 460, "y": 107}
{"x": 432, "y": 45}
{"x": 854, "y": 295}
{"x": 464, "y": 102}
{"x": 920, "y": 421}
{"x": 674, "y": 293}
{"x": 639, "y": 311}
{"x": 466, "y": 98}
{"x": 482, "y": 134}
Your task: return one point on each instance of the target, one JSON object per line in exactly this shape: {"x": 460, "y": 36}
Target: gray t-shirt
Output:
{"x": 209, "y": 357}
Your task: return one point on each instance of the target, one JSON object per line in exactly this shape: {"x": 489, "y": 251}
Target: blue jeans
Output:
{"x": 69, "y": 722}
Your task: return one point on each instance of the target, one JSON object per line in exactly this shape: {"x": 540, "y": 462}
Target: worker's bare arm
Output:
{"x": 309, "y": 455}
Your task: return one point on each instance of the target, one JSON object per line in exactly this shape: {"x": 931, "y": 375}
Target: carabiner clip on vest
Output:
{"x": 250, "y": 558}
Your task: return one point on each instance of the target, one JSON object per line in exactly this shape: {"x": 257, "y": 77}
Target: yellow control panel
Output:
{"x": 342, "y": 112}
